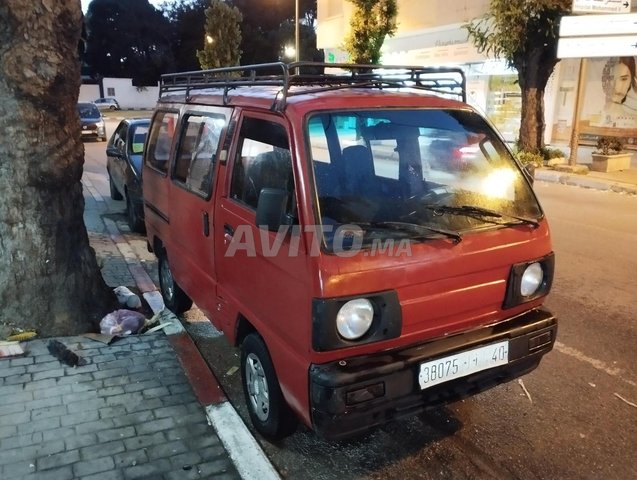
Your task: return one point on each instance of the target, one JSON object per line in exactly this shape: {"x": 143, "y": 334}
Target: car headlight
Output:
{"x": 354, "y": 318}
{"x": 531, "y": 279}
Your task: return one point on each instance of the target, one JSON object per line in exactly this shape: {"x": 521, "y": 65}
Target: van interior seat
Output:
{"x": 270, "y": 170}
{"x": 327, "y": 179}
{"x": 359, "y": 175}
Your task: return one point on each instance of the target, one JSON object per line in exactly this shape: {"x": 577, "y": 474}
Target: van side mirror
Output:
{"x": 271, "y": 208}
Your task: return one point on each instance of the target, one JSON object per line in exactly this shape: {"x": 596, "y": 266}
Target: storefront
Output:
{"x": 608, "y": 100}
{"x": 428, "y": 36}
{"x": 491, "y": 86}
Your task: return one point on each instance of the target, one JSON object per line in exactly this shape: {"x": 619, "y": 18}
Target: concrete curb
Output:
{"x": 230, "y": 428}
{"x": 584, "y": 181}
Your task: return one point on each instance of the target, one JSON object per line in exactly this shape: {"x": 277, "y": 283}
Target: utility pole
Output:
{"x": 297, "y": 46}
{"x": 581, "y": 78}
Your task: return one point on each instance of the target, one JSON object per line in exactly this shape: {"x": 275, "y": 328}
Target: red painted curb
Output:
{"x": 202, "y": 380}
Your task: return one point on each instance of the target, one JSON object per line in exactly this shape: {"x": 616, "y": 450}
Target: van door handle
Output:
{"x": 206, "y": 224}
{"x": 228, "y": 233}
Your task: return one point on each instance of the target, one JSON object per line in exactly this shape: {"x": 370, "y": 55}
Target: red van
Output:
{"x": 364, "y": 236}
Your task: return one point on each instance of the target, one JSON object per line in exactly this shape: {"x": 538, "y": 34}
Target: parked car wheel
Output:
{"x": 135, "y": 223}
{"x": 269, "y": 412}
{"x": 115, "y": 195}
{"x": 112, "y": 107}
{"x": 175, "y": 298}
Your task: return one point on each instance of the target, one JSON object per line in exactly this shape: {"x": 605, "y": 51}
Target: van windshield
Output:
{"x": 418, "y": 173}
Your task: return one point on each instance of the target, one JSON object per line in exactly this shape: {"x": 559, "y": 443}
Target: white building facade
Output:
{"x": 128, "y": 96}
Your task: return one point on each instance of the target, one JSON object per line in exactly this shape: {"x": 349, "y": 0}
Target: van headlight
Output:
{"x": 353, "y": 321}
{"x": 529, "y": 280}
{"x": 354, "y": 318}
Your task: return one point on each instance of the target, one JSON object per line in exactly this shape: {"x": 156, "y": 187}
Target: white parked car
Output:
{"x": 107, "y": 103}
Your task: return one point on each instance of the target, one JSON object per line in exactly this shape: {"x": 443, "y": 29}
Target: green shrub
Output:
{"x": 526, "y": 158}
{"x": 550, "y": 153}
{"x": 609, "y": 145}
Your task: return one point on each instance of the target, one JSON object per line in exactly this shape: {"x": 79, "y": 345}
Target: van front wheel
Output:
{"x": 269, "y": 412}
{"x": 174, "y": 297}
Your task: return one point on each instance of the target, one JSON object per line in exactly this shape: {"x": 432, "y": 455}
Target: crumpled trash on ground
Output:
{"x": 10, "y": 349}
{"x": 127, "y": 298}
{"x": 122, "y": 322}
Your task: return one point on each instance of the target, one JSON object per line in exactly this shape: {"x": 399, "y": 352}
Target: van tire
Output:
{"x": 175, "y": 299}
{"x": 269, "y": 412}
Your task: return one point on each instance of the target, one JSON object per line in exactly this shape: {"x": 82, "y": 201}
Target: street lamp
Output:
{"x": 289, "y": 51}
{"x": 296, "y": 29}
{"x": 209, "y": 39}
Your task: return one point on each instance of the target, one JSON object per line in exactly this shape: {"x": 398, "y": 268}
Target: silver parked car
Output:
{"x": 92, "y": 121}
{"x": 107, "y": 103}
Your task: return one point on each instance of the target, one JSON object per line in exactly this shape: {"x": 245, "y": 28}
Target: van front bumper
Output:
{"x": 350, "y": 396}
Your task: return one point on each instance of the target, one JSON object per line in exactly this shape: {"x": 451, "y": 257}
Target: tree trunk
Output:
{"x": 532, "y": 121}
{"x": 534, "y": 72}
{"x": 49, "y": 278}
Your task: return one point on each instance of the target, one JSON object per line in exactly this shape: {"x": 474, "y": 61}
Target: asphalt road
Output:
{"x": 573, "y": 418}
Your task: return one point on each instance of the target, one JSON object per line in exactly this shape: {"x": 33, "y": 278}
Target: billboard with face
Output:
{"x": 609, "y": 103}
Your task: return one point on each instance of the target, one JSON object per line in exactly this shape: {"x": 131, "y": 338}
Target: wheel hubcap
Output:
{"x": 257, "y": 387}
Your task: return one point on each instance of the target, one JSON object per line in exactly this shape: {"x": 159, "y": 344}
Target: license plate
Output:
{"x": 463, "y": 364}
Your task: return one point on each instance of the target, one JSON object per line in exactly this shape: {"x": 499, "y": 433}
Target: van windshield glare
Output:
{"x": 395, "y": 165}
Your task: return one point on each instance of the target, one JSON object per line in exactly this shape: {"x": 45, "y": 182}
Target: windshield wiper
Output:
{"x": 473, "y": 211}
{"x": 415, "y": 228}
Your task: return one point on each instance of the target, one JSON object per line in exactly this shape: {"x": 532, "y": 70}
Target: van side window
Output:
{"x": 161, "y": 139}
{"x": 194, "y": 165}
{"x": 263, "y": 161}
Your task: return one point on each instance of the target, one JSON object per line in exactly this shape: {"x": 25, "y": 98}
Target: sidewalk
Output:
{"x": 624, "y": 181}
{"x": 145, "y": 406}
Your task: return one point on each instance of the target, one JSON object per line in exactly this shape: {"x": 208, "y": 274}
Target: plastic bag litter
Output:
{"x": 127, "y": 298}
{"x": 122, "y": 322}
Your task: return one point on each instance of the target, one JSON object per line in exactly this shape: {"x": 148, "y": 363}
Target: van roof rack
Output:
{"x": 310, "y": 77}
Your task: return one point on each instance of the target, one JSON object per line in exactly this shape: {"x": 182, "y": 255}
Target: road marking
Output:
{"x": 598, "y": 364}
{"x": 246, "y": 453}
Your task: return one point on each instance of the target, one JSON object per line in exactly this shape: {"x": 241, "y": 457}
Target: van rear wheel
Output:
{"x": 174, "y": 297}
{"x": 269, "y": 412}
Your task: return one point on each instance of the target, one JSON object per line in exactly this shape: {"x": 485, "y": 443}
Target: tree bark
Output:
{"x": 534, "y": 71}
{"x": 49, "y": 277}
{"x": 532, "y": 120}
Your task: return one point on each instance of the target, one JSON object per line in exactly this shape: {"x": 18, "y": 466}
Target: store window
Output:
{"x": 504, "y": 105}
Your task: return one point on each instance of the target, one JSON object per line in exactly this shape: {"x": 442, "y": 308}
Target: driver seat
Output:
{"x": 359, "y": 175}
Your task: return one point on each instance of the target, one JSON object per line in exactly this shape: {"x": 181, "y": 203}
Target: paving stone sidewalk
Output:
{"x": 129, "y": 412}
